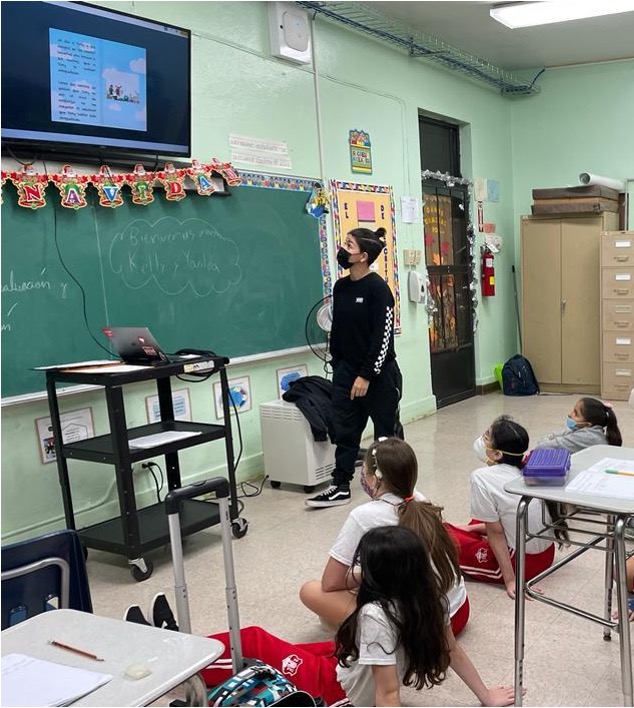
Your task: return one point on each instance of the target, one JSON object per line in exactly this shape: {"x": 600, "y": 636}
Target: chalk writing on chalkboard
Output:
{"x": 175, "y": 255}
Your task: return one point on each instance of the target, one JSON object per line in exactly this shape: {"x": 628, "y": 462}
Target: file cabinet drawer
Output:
{"x": 617, "y": 283}
{"x": 618, "y": 381}
{"x": 618, "y": 347}
{"x": 617, "y": 248}
{"x": 618, "y": 315}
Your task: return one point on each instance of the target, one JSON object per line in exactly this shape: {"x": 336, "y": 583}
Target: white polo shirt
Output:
{"x": 489, "y": 502}
{"x": 382, "y": 512}
{"x": 377, "y": 640}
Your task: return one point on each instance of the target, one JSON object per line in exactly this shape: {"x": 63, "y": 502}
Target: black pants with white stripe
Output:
{"x": 350, "y": 417}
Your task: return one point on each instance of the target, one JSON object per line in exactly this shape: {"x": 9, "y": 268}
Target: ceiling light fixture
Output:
{"x": 528, "y": 14}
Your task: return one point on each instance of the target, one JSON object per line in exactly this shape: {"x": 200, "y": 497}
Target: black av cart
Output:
{"x": 136, "y": 531}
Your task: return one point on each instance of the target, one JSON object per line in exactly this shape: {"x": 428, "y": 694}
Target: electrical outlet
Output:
{"x": 140, "y": 467}
{"x": 408, "y": 256}
{"x": 418, "y": 256}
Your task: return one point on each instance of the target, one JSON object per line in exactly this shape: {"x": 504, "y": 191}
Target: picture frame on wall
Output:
{"x": 288, "y": 374}
{"x": 181, "y": 403}
{"x": 76, "y": 425}
{"x": 240, "y": 393}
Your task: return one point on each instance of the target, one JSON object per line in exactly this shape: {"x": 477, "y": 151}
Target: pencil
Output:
{"x": 620, "y": 472}
{"x": 82, "y": 652}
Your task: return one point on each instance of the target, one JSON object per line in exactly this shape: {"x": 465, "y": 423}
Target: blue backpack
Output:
{"x": 518, "y": 378}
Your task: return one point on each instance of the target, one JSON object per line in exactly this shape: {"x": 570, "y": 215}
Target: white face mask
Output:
{"x": 480, "y": 450}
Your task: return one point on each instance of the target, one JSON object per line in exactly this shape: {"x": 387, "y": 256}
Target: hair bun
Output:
{"x": 380, "y": 233}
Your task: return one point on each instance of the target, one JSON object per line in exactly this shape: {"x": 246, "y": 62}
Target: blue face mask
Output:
{"x": 571, "y": 423}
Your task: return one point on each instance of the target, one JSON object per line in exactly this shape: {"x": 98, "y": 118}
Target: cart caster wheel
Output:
{"x": 309, "y": 488}
{"x": 239, "y": 527}
{"x": 139, "y": 574}
{"x": 275, "y": 485}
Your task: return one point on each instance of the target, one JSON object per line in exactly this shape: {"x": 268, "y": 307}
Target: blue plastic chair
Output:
{"x": 41, "y": 574}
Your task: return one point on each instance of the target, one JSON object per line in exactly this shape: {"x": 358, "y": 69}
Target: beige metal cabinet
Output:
{"x": 561, "y": 299}
{"x": 617, "y": 314}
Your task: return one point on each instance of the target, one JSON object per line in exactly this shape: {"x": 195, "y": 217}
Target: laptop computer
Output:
{"x": 137, "y": 345}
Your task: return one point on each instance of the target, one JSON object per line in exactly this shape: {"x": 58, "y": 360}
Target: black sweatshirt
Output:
{"x": 363, "y": 324}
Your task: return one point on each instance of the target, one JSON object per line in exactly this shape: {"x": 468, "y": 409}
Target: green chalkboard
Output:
{"x": 234, "y": 274}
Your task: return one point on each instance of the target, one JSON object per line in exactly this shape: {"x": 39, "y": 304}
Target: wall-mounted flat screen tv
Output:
{"x": 88, "y": 80}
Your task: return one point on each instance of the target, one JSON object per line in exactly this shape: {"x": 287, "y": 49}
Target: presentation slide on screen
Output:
{"x": 97, "y": 82}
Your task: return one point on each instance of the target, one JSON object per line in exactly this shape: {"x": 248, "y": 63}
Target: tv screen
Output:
{"x": 86, "y": 79}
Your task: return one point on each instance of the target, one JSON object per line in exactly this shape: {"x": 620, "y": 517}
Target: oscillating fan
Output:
{"x": 317, "y": 327}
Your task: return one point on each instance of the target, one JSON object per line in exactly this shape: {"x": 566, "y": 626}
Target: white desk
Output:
{"x": 614, "y": 515}
{"x": 172, "y": 657}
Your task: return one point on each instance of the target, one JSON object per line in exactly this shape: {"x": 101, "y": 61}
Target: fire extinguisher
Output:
{"x": 487, "y": 273}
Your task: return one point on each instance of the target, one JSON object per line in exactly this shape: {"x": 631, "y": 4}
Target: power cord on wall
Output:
{"x": 149, "y": 466}
{"x": 71, "y": 275}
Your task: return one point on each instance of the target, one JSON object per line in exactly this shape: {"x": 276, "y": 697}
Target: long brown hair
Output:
{"x": 396, "y": 574}
{"x": 397, "y": 468}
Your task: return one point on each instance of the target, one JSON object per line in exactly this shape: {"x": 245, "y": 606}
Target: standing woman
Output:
{"x": 367, "y": 382}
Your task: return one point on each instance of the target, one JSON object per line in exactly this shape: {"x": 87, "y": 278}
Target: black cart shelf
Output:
{"x": 136, "y": 531}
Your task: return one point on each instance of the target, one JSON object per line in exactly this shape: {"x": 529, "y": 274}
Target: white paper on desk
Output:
{"x": 600, "y": 484}
{"x": 33, "y": 682}
{"x": 611, "y": 463}
{"x": 113, "y": 368}
{"x": 77, "y": 364}
{"x": 167, "y": 436}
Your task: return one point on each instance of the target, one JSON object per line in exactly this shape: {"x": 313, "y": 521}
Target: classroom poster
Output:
{"x": 369, "y": 206}
{"x": 180, "y": 402}
{"x": 287, "y": 375}
{"x": 360, "y": 151}
{"x": 239, "y": 396}
{"x": 76, "y": 425}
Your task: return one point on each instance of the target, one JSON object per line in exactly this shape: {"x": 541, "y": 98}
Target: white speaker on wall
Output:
{"x": 290, "y": 32}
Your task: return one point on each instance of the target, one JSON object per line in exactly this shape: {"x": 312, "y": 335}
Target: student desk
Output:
{"x": 172, "y": 657}
{"x": 609, "y": 515}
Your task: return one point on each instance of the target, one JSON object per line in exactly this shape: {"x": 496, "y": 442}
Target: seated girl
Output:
{"x": 590, "y": 422}
{"x": 487, "y": 544}
{"x": 389, "y": 475}
{"x": 397, "y": 634}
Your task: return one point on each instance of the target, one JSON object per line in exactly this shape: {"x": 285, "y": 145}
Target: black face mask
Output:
{"x": 343, "y": 258}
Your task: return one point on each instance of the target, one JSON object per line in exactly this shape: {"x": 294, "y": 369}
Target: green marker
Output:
{"x": 620, "y": 472}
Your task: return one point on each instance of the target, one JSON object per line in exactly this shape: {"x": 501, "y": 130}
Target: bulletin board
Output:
{"x": 369, "y": 206}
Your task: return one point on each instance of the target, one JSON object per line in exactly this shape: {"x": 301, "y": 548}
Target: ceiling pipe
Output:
{"x": 360, "y": 17}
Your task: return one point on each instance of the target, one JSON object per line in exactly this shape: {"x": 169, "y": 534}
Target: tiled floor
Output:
{"x": 567, "y": 661}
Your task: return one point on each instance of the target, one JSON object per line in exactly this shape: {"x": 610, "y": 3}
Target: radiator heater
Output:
{"x": 291, "y": 455}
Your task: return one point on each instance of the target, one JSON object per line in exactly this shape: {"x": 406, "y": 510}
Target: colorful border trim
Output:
{"x": 335, "y": 186}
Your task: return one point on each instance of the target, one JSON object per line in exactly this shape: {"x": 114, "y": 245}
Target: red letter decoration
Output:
{"x": 232, "y": 178}
{"x": 72, "y": 187}
{"x": 108, "y": 186}
{"x": 172, "y": 181}
{"x": 201, "y": 176}
{"x": 140, "y": 182}
{"x": 31, "y": 187}
{"x": 5, "y": 177}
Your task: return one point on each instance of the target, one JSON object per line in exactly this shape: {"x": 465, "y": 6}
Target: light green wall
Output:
{"x": 581, "y": 121}
{"x": 239, "y": 88}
